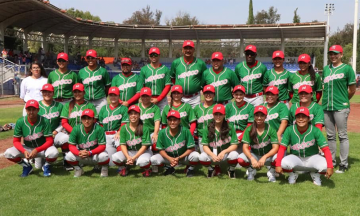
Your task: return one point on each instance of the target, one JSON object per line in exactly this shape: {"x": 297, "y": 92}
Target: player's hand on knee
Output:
{"x": 279, "y": 170}
{"x": 261, "y": 162}
{"x": 221, "y": 155}
{"x": 254, "y": 163}
{"x": 329, "y": 172}
{"x": 26, "y": 154}
{"x": 33, "y": 154}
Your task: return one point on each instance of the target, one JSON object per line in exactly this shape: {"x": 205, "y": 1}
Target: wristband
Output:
{"x": 90, "y": 153}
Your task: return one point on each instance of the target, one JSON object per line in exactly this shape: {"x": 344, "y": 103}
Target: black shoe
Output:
{"x": 169, "y": 171}
{"x": 96, "y": 169}
{"x": 342, "y": 169}
{"x": 211, "y": 173}
{"x": 67, "y": 166}
{"x": 190, "y": 173}
{"x": 231, "y": 174}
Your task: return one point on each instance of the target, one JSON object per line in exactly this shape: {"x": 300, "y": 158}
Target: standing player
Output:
{"x": 304, "y": 141}
{"x": 96, "y": 81}
{"x": 278, "y": 76}
{"x": 187, "y": 72}
{"x": 222, "y": 78}
{"x": 339, "y": 87}
{"x": 128, "y": 83}
{"x": 176, "y": 146}
{"x": 251, "y": 73}
{"x": 62, "y": 79}
{"x": 87, "y": 145}
{"x": 156, "y": 77}
{"x": 305, "y": 76}
{"x": 38, "y": 141}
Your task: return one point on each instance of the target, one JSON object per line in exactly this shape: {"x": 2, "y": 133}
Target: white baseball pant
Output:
{"x": 256, "y": 101}
{"x": 244, "y": 161}
{"x": 98, "y": 159}
{"x": 231, "y": 159}
{"x": 314, "y": 163}
{"x": 50, "y": 154}
{"x": 110, "y": 147}
{"x": 161, "y": 104}
{"x": 143, "y": 161}
{"x": 193, "y": 101}
{"x": 60, "y": 139}
{"x": 191, "y": 159}
{"x": 99, "y": 103}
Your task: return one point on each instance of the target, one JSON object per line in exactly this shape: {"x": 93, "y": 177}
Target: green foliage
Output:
{"x": 267, "y": 17}
{"x": 82, "y": 14}
{"x": 296, "y": 18}
{"x": 251, "y": 14}
{"x": 144, "y": 17}
{"x": 182, "y": 19}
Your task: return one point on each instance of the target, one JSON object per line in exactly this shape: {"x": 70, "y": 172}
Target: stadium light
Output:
{"x": 329, "y": 10}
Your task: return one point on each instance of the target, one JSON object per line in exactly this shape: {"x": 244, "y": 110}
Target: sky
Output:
{"x": 217, "y": 12}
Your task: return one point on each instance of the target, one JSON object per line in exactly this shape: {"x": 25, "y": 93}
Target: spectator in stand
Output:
{"x": 4, "y": 54}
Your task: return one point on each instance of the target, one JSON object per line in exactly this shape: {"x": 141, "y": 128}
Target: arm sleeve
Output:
{"x": 134, "y": 99}
{"x": 98, "y": 149}
{"x": 192, "y": 127}
{"x": 280, "y": 155}
{"x": 164, "y": 92}
{"x": 318, "y": 96}
{"x": 18, "y": 145}
{"x": 66, "y": 125}
{"x": 74, "y": 150}
{"x": 49, "y": 142}
{"x": 328, "y": 157}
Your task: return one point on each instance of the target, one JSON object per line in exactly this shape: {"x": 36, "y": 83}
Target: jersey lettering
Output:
{"x": 278, "y": 82}
{"x": 272, "y": 116}
{"x": 147, "y": 116}
{"x": 88, "y": 144}
{"x": 175, "y": 147}
{"x": 219, "y": 83}
{"x": 34, "y": 136}
{"x": 251, "y": 77}
{"x": 188, "y": 74}
{"x": 303, "y": 145}
{"x": 238, "y": 117}
{"x": 133, "y": 142}
{"x": 75, "y": 114}
{"x": 205, "y": 118}
{"x": 112, "y": 118}
{"x": 220, "y": 143}
{"x": 155, "y": 77}
{"x": 51, "y": 115}
{"x": 297, "y": 85}
{"x": 260, "y": 145}
{"x": 127, "y": 85}
{"x": 183, "y": 114}
{"x": 92, "y": 79}
{"x": 62, "y": 82}
{"x": 333, "y": 77}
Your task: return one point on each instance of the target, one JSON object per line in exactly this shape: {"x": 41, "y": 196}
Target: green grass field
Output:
{"x": 9, "y": 115}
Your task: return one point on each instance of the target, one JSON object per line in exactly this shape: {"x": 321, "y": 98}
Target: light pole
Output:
{"x": 329, "y": 10}
{"x": 355, "y": 35}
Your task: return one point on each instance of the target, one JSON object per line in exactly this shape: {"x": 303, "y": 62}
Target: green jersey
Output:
{"x": 336, "y": 81}
{"x": 133, "y": 142}
{"x": 149, "y": 116}
{"x": 203, "y": 117}
{"x": 62, "y": 83}
{"x": 264, "y": 141}
{"x": 303, "y": 144}
{"x": 128, "y": 86}
{"x": 296, "y": 80}
{"x": 155, "y": 79}
{"x": 315, "y": 110}
{"x": 176, "y": 145}
{"x": 52, "y": 113}
{"x": 87, "y": 141}
{"x": 94, "y": 82}
{"x": 223, "y": 83}
{"x": 276, "y": 114}
{"x": 271, "y": 78}
{"x": 111, "y": 119}
{"x": 75, "y": 115}
{"x": 33, "y": 135}
{"x": 186, "y": 114}
{"x": 188, "y": 75}
{"x": 217, "y": 142}
{"x": 251, "y": 78}
{"x": 239, "y": 117}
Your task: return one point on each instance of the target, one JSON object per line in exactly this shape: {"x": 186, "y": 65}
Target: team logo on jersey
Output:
{"x": 33, "y": 136}
{"x": 188, "y": 74}
{"x": 147, "y": 116}
{"x": 297, "y": 85}
{"x": 127, "y": 85}
{"x": 271, "y": 117}
{"x": 183, "y": 114}
{"x": 220, "y": 143}
{"x": 175, "y": 147}
{"x": 155, "y": 77}
{"x": 219, "y": 83}
{"x": 92, "y": 79}
{"x": 112, "y": 118}
{"x": 62, "y": 82}
{"x": 261, "y": 145}
{"x": 251, "y": 77}
{"x": 278, "y": 82}
{"x": 238, "y": 117}
{"x": 304, "y": 145}
{"x": 88, "y": 144}
{"x": 133, "y": 142}
{"x": 51, "y": 115}
{"x": 333, "y": 77}
{"x": 205, "y": 118}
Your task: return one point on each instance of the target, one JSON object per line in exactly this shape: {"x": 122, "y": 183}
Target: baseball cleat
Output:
{"x": 147, "y": 173}
{"x": 293, "y": 177}
{"x": 47, "y": 171}
{"x": 316, "y": 178}
{"x": 67, "y": 166}
{"x": 190, "y": 173}
{"x": 341, "y": 169}
{"x": 211, "y": 172}
{"x": 231, "y": 173}
{"x": 251, "y": 174}
{"x": 104, "y": 171}
{"x": 96, "y": 169}
{"x": 169, "y": 171}
{"x": 155, "y": 169}
{"x": 271, "y": 175}
{"x": 78, "y": 172}
{"x": 124, "y": 172}
{"x": 217, "y": 170}
{"x": 26, "y": 171}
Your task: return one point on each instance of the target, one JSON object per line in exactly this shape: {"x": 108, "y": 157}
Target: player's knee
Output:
{"x": 194, "y": 156}
{"x": 204, "y": 157}
{"x": 103, "y": 156}
{"x": 286, "y": 164}
{"x": 154, "y": 161}
{"x": 8, "y": 154}
{"x": 233, "y": 156}
{"x": 69, "y": 156}
{"x": 145, "y": 164}
{"x": 51, "y": 152}
{"x": 118, "y": 157}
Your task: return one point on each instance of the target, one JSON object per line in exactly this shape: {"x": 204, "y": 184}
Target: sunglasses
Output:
{"x": 61, "y": 60}
{"x": 250, "y": 54}
{"x": 90, "y": 58}
{"x": 154, "y": 55}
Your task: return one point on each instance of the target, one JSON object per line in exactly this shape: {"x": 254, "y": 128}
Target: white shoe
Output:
{"x": 104, "y": 171}
{"x": 292, "y": 177}
{"x": 251, "y": 174}
{"x": 316, "y": 178}
{"x": 78, "y": 171}
{"x": 271, "y": 175}
{"x": 155, "y": 169}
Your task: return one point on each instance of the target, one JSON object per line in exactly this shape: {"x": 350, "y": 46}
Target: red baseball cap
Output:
{"x": 145, "y": 91}
{"x": 336, "y": 49}
{"x": 188, "y": 43}
{"x": 114, "y": 90}
{"x": 261, "y": 109}
{"x": 78, "y": 86}
{"x": 88, "y": 112}
{"x": 135, "y": 108}
{"x": 251, "y": 48}
{"x": 305, "y": 88}
{"x": 32, "y": 103}
{"x": 126, "y": 61}
{"x": 304, "y": 58}
{"x": 278, "y": 54}
{"x": 177, "y": 88}
{"x": 91, "y": 53}
{"x": 272, "y": 89}
{"x": 217, "y": 55}
{"x": 48, "y": 87}
{"x": 239, "y": 87}
{"x": 219, "y": 108}
{"x": 302, "y": 110}
{"x": 154, "y": 50}
{"x": 173, "y": 113}
{"x": 209, "y": 88}
{"x": 63, "y": 56}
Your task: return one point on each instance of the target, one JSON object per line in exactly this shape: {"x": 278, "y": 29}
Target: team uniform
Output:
{"x": 63, "y": 84}
{"x": 203, "y": 117}
{"x": 239, "y": 117}
{"x": 296, "y": 80}
{"x": 186, "y": 114}
{"x": 316, "y": 113}
{"x": 271, "y": 78}
{"x": 128, "y": 86}
{"x": 149, "y": 116}
{"x": 276, "y": 114}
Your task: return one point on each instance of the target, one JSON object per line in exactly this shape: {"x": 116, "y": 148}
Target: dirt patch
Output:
{"x": 7, "y": 103}
{"x": 354, "y": 118}
{"x": 5, "y": 144}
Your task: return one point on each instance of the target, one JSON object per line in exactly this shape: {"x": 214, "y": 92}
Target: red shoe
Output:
{"x": 147, "y": 173}
{"x": 124, "y": 172}
{"x": 217, "y": 170}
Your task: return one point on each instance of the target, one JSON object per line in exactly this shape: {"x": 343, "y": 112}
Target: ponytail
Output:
{"x": 312, "y": 73}
{"x": 71, "y": 105}
{"x": 253, "y": 133}
{"x": 171, "y": 101}
{"x": 139, "y": 128}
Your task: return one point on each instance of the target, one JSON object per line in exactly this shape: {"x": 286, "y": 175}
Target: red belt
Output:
{"x": 189, "y": 96}
{"x": 253, "y": 95}
{"x": 62, "y": 99}
{"x": 110, "y": 132}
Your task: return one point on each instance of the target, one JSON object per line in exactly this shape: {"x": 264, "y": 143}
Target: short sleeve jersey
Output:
{"x": 63, "y": 83}
{"x": 87, "y": 141}
{"x": 271, "y": 78}
{"x": 94, "y": 82}
{"x": 316, "y": 113}
{"x": 149, "y": 116}
{"x": 111, "y": 119}
{"x": 75, "y": 115}
{"x": 296, "y": 80}
{"x": 219, "y": 143}
{"x": 203, "y": 117}
{"x": 239, "y": 117}
{"x": 133, "y": 142}
{"x": 155, "y": 79}
{"x": 186, "y": 114}
{"x": 128, "y": 86}
{"x": 264, "y": 141}
{"x": 251, "y": 78}
{"x": 306, "y": 144}
{"x": 276, "y": 114}
{"x": 176, "y": 145}
{"x": 51, "y": 113}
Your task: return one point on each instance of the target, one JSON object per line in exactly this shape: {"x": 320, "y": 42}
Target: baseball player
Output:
{"x": 134, "y": 143}
{"x": 239, "y": 113}
{"x": 176, "y": 146}
{"x": 156, "y": 77}
{"x": 305, "y": 76}
{"x": 304, "y": 140}
{"x": 251, "y": 73}
{"x": 306, "y": 100}
{"x": 38, "y": 141}
{"x": 112, "y": 117}
{"x": 278, "y": 113}
{"x": 339, "y": 87}
{"x": 278, "y": 76}
{"x": 96, "y": 81}
{"x": 188, "y": 119}
{"x": 187, "y": 72}
{"x": 128, "y": 83}
{"x": 219, "y": 143}
{"x": 62, "y": 79}
{"x": 263, "y": 143}
{"x": 222, "y": 78}
{"x": 87, "y": 145}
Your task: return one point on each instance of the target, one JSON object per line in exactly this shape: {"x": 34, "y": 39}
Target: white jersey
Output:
{"x": 31, "y": 88}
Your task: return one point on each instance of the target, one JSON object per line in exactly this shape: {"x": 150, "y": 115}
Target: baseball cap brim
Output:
{"x": 337, "y": 52}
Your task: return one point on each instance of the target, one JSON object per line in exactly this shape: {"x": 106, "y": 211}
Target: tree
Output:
{"x": 251, "y": 14}
{"x": 296, "y": 18}
{"x": 267, "y": 17}
{"x": 182, "y": 19}
{"x": 82, "y": 14}
{"x": 144, "y": 17}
